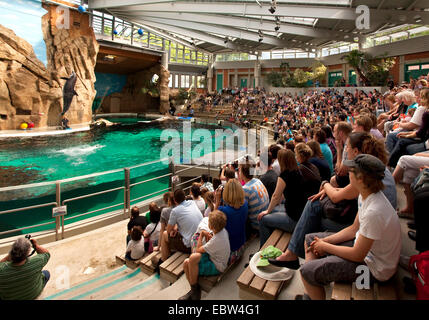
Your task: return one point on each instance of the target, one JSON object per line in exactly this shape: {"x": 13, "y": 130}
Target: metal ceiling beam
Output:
{"x": 251, "y": 23}
{"x": 99, "y": 4}
{"x": 301, "y": 11}
{"x": 189, "y": 33}
{"x": 237, "y": 8}
{"x": 225, "y": 32}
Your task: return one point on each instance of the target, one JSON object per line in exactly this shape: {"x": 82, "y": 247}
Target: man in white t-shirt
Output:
{"x": 376, "y": 232}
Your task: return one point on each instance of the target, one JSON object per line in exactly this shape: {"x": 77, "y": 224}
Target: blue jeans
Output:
{"x": 311, "y": 221}
{"x": 46, "y": 277}
{"x": 391, "y": 140}
{"x": 277, "y": 219}
{"x": 415, "y": 148}
{"x": 400, "y": 149}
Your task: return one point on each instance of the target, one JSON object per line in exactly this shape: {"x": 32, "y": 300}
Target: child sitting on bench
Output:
{"x": 135, "y": 248}
{"x": 211, "y": 258}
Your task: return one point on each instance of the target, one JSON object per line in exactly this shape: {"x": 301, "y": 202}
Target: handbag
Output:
{"x": 422, "y": 181}
{"x": 342, "y": 212}
{"x": 148, "y": 246}
{"x": 419, "y": 268}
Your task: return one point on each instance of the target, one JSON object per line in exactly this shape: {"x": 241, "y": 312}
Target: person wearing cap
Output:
{"x": 373, "y": 240}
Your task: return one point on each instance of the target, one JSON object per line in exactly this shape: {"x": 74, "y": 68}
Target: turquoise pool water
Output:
{"x": 52, "y": 158}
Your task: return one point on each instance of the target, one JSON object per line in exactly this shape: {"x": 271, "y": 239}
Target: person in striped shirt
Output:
{"x": 21, "y": 276}
{"x": 256, "y": 196}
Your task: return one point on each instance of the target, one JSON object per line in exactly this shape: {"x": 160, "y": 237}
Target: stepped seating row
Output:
{"x": 250, "y": 283}
{"x": 378, "y": 291}
{"x": 172, "y": 269}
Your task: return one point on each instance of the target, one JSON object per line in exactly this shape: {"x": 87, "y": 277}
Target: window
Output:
{"x": 302, "y": 55}
{"x": 180, "y": 54}
{"x": 334, "y": 51}
{"x": 425, "y": 66}
{"x": 200, "y": 81}
{"x": 266, "y": 55}
{"x": 277, "y": 54}
{"x": 170, "y": 81}
{"x": 187, "y": 58}
{"x": 176, "y": 81}
{"x": 413, "y": 68}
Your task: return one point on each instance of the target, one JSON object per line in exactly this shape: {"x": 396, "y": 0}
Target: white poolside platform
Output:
{"x": 37, "y": 132}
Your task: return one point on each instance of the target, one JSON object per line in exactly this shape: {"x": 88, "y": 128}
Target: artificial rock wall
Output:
{"x": 29, "y": 91}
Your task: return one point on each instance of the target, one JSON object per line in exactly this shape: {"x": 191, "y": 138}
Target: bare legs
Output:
{"x": 190, "y": 266}
{"x": 398, "y": 175}
{"x": 314, "y": 292}
{"x": 287, "y": 256}
{"x": 165, "y": 250}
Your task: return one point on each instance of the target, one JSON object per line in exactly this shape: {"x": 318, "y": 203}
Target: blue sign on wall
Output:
{"x": 24, "y": 17}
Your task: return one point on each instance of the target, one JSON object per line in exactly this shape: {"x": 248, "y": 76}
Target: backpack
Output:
{"x": 419, "y": 267}
{"x": 421, "y": 182}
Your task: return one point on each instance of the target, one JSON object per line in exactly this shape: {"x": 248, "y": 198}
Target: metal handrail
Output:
{"x": 86, "y": 213}
{"x": 192, "y": 167}
{"x": 25, "y": 228}
{"x": 148, "y": 163}
{"x": 150, "y": 194}
{"x": 141, "y": 182}
{"x": 91, "y": 194}
{"x": 31, "y": 185}
{"x": 30, "y": 207}
{"x": 188, "y": 181}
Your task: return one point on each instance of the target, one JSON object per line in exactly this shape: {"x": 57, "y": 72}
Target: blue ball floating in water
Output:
{"x": 81, "y": 9}
{"x": 140, "y": 31}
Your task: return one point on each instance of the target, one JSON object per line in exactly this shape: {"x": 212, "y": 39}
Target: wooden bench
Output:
{"x": 172, "y": 268}
{"x": 130, "y": 264}
{"x": 378, "y": 291}
{"x": 207, "y": 283}
{"x": 146, "y": 264}
{"x": 250, "y": 283}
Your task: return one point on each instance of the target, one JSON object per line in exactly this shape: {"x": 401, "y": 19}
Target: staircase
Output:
{"x": 122, "y": 283}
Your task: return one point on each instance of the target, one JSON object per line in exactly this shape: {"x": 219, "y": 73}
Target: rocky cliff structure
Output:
{"x": 29, "y": 91}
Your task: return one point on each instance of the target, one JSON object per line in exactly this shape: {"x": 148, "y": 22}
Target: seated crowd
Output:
{"x": 327, "y": 180}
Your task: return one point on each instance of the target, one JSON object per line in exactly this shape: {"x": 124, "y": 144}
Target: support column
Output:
{"x": 401, "y": 69}
{"x": 236, "y": 78}
{"x": 257, "y": 72}
{"x": 164, "y": 60}
{"x": 248, "y": 78}
{"x": 210, "y": 74}
{"x": 345, "y": 72}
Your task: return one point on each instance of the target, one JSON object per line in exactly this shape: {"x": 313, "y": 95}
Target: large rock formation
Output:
{"x": 31, "y": 92}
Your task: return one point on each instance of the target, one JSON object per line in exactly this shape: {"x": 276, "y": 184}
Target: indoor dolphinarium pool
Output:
{"x": 52, "y": 158}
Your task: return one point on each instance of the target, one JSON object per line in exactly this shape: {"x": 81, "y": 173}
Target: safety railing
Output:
{"x": 59, "y": 221}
